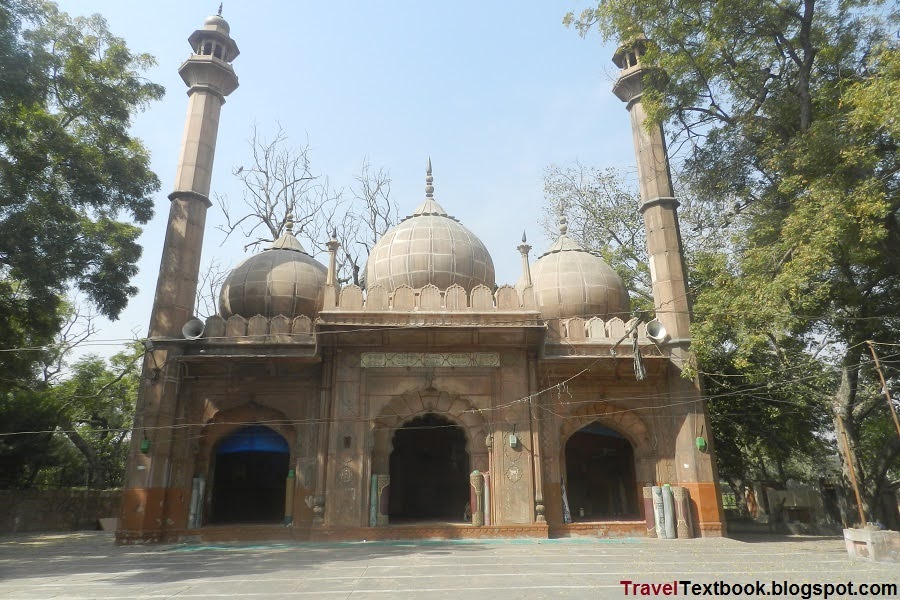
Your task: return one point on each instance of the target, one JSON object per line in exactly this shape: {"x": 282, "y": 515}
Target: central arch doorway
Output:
{"x": 429, "y": 468}
{"x": 600, "y": 478}
{"x": 249, "y": 478}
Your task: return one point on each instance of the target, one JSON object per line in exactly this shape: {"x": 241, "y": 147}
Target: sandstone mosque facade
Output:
{"x": 432, "y": 403}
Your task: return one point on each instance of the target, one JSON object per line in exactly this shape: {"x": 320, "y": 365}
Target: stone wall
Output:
{"x": 56, "y": 510}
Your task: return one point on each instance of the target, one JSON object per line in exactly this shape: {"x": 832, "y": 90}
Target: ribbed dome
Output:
{"x": 429, "y": 247}
{"x": 283, "y": 280}
{"x": 569, "y": 281}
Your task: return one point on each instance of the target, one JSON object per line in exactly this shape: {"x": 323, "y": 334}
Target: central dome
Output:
{"x": 429, "y": 247}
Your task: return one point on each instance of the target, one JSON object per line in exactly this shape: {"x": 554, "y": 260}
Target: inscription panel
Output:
{"x": 429, "y": 359}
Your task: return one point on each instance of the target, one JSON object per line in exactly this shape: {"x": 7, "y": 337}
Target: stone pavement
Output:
{"x": 87, "y": 565}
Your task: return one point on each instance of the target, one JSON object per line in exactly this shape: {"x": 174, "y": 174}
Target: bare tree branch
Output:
{"x": 278, "y": 182}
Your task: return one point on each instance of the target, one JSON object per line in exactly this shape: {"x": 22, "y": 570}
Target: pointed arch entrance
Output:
{"x": 461, "y": 448}
{"x": 429, "y": 470}
{"x": 249, "y": 476}
{"x": 600, "y": 474}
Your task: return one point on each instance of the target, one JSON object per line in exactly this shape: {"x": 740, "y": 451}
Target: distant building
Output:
{"x": 307, "y": 411}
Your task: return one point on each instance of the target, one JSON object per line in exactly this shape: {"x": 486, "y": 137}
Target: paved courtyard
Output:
{"x": 87, "y": 565}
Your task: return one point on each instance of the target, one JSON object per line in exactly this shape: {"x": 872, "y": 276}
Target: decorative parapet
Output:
{"x": 430, "y": 298}
{"x": 597, "y": 338}
{"x": 434, "y": 307}
{"x": 592, "y": 331}
{"x": 277, "y": 330}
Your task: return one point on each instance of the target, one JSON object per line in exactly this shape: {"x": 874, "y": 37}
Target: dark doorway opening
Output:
{"x": 429, "y": 471}
{"x": 249, "y": 477}
{"x": 600, "y": 481}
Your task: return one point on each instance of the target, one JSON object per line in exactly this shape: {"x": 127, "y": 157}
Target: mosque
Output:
{"x": 433, "y": 403}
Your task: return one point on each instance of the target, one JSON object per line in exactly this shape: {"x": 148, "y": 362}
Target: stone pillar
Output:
{"x": 324, "y": 430}
{"x": 151, "y": 503}
{"x": 476, "y": 498}
{"x": 695, "y": 468}
{"x": 537, "y": 451}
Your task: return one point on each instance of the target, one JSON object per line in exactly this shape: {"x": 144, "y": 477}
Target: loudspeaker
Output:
{"x": 193, "y": 329}
{"x": 656, "y": 333}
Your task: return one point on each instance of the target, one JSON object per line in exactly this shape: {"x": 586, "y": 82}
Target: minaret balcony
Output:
{"x": 205, "y": 71}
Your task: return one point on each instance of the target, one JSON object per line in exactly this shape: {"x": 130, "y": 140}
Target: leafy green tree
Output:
{"x": 788, "y": 111}
{"x": 95, "y": 408}
{"x": 70, "y": 426}
{"x": 73, "y": 183}
{"x": 72, "y": 178}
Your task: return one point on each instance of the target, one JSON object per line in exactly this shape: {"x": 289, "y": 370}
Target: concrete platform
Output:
{"x": 89, "y": 565}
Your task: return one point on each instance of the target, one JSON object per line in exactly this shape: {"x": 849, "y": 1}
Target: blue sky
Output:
{"x": 492, "y": 91}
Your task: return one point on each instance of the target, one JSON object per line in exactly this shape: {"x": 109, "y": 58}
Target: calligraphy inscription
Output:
{"x": 429, "y": 359}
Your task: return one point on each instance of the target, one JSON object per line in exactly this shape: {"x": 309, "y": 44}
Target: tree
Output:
{"x": 773, "y": 106}
{"x": 69, "y": 170}
{"x": 72, "y": 425}
{"x": 369, "y": 215}
{"x": 95, "y": 408}
{"x": 279, "y": 182}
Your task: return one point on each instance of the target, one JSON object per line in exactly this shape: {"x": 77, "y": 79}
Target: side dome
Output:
{"x": 569, "y": 281}
{"x": 282, "y": 280}
{"x": 429, "y": 247}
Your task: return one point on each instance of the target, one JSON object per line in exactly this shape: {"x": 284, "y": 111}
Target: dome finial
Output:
{"x": 289, "y": 223}
{"x": 220, "y": 9}
{"x": 429, "y": 181}
{"x": 563, "y": 224}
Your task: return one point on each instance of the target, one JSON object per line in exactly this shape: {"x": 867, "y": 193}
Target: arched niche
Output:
{"x": 429, "y": 471}
{"x": 250, "y": 469}
{"x": 599, "y": 470}
{"x": 227, "y": 422}
{"x": 625, "y": 423}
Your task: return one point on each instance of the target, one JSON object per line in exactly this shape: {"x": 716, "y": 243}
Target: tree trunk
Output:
{"x": 846, "y": 438}
{"x": 90, "y": 455}
{"x": 740, "y": 496}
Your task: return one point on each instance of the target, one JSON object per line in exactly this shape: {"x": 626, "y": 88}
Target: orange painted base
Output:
{"x": 150, "y": 514}
{"x": 709, "y": 518}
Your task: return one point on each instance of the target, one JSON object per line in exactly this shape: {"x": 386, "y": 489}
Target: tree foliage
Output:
{"x": 74, "y": 184}
{"x": 73, "y": 430}
{"x": 788, "y": 111}
{"x": 71, "y": 176}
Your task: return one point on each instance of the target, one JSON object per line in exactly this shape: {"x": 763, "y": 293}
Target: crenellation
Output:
{"x": 236, "y": 326}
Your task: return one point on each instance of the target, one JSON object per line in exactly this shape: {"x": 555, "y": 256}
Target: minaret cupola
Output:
{"x": 213, "y": 51}
{"x": 214, "y": 39}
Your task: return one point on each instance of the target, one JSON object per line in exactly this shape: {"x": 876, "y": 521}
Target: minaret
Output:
{"x": 157, "y": 488}
{"x": 210, "y": 78}
{"x": 658, "y": 203}
{"x": 691, "y": 463}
